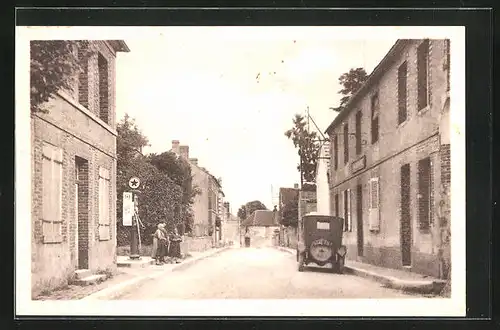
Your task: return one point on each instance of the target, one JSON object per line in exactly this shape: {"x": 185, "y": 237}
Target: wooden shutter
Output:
{"x": 402, "y": 93}
{"x": 374, "y": 217}
{"x": 104, "y": 204}
{"x": 52, "y": 194}
{"x": 349, "y": 210}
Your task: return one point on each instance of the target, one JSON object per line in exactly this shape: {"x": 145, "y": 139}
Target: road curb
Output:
{"x": 116, "y": 290}
{"x": 422, "y": 287}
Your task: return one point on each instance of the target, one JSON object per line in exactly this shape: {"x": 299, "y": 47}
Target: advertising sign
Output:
{"x": 128, "y": 208}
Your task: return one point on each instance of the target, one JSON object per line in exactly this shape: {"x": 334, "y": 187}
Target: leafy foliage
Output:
{"x": 160, "y": 198}
{"x": 249, "y": 208}
{"x": 308, "y": 148}
{"x": 129, "y": 143}
{"x": 179, "y": 170}
{"x": 351, "y": 82}
{"x": 242, "y": 212}
{"x": 290, "y": 213}
{"x": 55, "y": 65}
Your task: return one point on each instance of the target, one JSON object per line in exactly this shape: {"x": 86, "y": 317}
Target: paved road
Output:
{"x": 256, "y": 273}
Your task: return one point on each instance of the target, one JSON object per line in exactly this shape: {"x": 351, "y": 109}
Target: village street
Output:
{"x": 256, "y": 273}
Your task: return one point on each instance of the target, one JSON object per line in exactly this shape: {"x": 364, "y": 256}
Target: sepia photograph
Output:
{"x": 231, "y": 170}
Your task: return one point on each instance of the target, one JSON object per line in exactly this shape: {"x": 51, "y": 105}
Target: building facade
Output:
{"x": 208, "y": 204}
{"x": 260, "y": 226}
{"x": 74, "y": 175}
{"x": 390, "y": 158}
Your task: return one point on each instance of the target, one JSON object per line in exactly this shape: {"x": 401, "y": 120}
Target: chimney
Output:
{"x": 184, "y": 151}
{"x": 175, "y": 146}
{"x": 194, "y": 161}
{"x": 295, "y": 186}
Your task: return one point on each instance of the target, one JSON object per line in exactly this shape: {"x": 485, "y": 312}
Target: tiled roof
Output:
{"x": 261, "y": 218}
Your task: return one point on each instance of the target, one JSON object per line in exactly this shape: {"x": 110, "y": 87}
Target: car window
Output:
{"x": 323, "y": 225}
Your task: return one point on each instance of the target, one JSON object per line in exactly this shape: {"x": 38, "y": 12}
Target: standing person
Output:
{"x": 166, "y": 242}
{"x": 175, "y": 246}
{"x": 158, "y": 245}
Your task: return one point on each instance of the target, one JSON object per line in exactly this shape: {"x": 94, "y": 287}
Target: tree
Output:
{"x": 179, "y": 170}
{"x": 55, "y": 65}
{"x": 160, "y": 198}
{"x": 308, "y": 148}
{"x": 129, "y": 143}
{"x": 242, "y": 212}
{"x": 290, "y": 213}
{"x": 253, "y": 206}
{"x": 351, "y": 82}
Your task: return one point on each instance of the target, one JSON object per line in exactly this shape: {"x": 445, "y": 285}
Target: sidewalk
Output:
{"x": 392, "y": 278}
{"x": 143, "y": 274}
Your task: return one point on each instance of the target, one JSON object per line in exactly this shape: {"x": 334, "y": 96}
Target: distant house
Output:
{"x": 208, "y": 205}
{"x": 260, "y": 226}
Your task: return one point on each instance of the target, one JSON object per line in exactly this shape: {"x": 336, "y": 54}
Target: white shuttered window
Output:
{"x": 52, "y": 160}
{"x": 374, "y": 224}
{"x": 104, "y": 204}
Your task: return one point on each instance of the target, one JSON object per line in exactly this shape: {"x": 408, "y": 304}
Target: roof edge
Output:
{"x": 372, "y": 78}
{"x": 119, "y": 46}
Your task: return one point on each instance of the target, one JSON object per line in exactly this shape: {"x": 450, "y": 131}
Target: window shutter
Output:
{"x": 349, "y": 210}
{"x": 104, "y": 214}
{"x": 52, "y": 193}
{"x": 374, "y": 216}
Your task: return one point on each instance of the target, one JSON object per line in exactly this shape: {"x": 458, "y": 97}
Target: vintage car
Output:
{"x": 320, "y": 242}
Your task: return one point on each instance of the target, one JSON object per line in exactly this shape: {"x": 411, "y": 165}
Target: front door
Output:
{"x": 82, "y": 217}
{"x": 406, "y": 232}
{"x": 359, "y": 215}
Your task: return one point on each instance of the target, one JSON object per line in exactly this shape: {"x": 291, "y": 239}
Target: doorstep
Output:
{"x": 124, "y": 261}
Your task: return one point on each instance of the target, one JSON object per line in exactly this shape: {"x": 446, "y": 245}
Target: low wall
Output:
{"x": 196, "y": 244}
{"x": 188, "y": 244}
{"x": 289, "y": 237}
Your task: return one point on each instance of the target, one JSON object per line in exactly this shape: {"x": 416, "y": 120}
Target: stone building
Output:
{"x": 208, "y": 205}
{"x": 390, "y": 156}
{"x": 74, "y": 175}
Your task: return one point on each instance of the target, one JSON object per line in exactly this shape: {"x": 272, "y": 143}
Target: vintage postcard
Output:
{"x": 240, "y": 171}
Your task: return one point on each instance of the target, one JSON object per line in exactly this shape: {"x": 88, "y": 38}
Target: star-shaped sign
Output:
{"x": 134, "y": 183}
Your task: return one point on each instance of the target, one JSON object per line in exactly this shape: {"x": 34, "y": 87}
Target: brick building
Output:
{"x": 390, "y": 157}
{"x": 74, "y": 175}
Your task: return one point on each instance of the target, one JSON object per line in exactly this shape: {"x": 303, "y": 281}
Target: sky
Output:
{"x": 230, "y": 94}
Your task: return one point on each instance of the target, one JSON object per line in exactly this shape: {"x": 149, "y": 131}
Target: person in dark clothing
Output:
{"x": 159, "y": 240}
{"x": 165, "y": 242}
{"x": 175, "y": 246}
